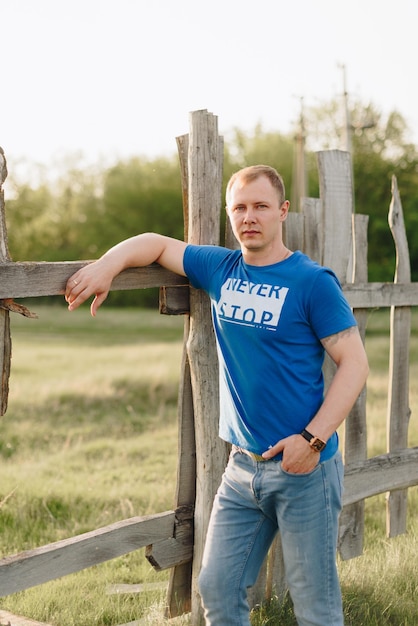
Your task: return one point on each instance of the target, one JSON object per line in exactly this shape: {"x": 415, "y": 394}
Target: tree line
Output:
{"x": 88, "y": 209}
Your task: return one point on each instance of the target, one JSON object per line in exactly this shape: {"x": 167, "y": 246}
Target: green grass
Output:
{"x": 90, "y": 438}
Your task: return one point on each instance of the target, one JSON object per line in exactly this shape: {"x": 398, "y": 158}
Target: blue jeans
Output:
{"x": 254, "y": 501}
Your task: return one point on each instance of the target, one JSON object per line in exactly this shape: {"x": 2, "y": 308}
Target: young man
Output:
{"x": 275, "y": 313}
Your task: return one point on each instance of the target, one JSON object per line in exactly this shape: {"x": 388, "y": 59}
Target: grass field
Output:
{"x": 90, "y": 438}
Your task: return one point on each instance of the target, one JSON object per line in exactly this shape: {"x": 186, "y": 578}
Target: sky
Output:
{"x": 108, "y": 80}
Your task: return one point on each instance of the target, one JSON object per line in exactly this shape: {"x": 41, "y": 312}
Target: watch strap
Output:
{"x": 315, "y": 442}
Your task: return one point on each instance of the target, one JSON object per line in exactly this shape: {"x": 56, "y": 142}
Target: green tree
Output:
{"x": 138, "y": 196}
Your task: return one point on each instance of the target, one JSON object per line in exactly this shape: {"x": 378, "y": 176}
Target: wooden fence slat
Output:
{"x": 311, "y": 208}
{"x": 276, "y": 579}
{"x": 351, "y": 531}
{"x": 372, "y": 477}
{"x": 180, "y": 584}
{"x": 5, "y": 338}
{"x": 398, "y": 392}
{"x": 293, "y": 231}
{"x": 4, "y": 248}
{"x": 205, "y": 185}
{"x": 335, "y": 185}
{"x": 33, "y": 567}
{"x": 5, "y": 357}
{"x": 336, "y": 193}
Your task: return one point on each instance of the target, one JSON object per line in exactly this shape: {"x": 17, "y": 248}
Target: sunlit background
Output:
{"x": 109, "y": 80}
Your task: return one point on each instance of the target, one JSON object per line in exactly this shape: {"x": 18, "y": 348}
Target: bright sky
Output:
{"x": 111, "y": 79}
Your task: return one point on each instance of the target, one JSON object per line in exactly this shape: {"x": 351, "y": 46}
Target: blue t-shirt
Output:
{"x": 268, "y": 323}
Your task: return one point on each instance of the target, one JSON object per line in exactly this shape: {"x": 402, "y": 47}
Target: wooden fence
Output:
{"x": 327, "y": 230}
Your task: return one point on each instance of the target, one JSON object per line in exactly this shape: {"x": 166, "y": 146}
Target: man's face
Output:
{"x": 256, "y": 215}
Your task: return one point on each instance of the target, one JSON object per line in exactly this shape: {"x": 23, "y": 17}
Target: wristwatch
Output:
{"x": 315, "y": 442}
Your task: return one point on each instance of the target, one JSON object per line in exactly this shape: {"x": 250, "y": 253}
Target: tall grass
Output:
{"x": 90, "y": 438}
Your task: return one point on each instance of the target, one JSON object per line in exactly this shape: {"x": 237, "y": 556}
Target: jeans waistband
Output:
{"x": 255, "y": 457}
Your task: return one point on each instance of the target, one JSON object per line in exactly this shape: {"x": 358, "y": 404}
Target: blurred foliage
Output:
{"x": 85, "y": 211}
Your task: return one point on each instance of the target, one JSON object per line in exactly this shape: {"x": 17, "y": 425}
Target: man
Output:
{"x": 275, "y": 312}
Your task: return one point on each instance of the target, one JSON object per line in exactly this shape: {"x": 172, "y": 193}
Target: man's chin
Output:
{"x": 250, "y": 244}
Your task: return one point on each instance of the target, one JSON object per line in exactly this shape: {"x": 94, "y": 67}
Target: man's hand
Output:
{"x": 138, "y": 251}
{"x": 94, "y": 278}
{"x": 298, "y": 456}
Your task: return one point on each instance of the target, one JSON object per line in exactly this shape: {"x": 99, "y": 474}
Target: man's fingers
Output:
{"x": 97, "y": 302}
{"x": 71, "y": 287}
{"x": 274, "y": 450}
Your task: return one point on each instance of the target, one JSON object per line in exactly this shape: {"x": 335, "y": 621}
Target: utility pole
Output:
{"x": 348, "y": 128}
{"x": 299, "y": 179}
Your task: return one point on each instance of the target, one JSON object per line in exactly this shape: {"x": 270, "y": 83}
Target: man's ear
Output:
{"x": 284, "y": 210}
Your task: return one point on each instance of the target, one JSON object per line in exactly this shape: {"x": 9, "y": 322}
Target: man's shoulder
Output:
{"x": 312, "y": 268}
{"x": 211, "y": 251}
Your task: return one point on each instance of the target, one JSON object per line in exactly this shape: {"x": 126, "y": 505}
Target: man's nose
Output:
{"x": 249, "y": 215}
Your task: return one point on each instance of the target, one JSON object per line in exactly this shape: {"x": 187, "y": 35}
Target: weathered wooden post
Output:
{"x": 180, "y": 582}
{"x": 205, "y": 167}
{"x": 352, "y": 518}
{"x": 398, "y": 393}
{"x": 339, "y": 248}
{"x": 5, "y": 338}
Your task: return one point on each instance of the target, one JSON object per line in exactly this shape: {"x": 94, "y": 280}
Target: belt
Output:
{"x": 255, "y": 457}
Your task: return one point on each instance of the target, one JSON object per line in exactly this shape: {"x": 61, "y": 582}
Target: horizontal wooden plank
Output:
{"x": 175, "y": 550}
{"x": 395, "y": 470}
{"x": 169, "y": 553}
{"x": 27, "y": 280}
{"x": 376, "y": 295}
{"x": 33, "y": 567}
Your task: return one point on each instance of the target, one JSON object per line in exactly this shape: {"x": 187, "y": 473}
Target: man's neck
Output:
{"x": 263, "y": 257}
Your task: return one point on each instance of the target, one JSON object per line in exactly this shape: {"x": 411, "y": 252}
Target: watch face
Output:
{"x": 317, "y": 444}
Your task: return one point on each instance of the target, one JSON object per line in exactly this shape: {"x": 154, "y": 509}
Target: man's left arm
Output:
{"x": 347, "y": 351}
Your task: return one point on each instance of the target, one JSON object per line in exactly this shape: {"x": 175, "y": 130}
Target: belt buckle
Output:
{"x": 255, "y": 457}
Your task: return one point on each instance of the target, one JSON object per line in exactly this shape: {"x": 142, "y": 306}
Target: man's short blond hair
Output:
{"x": 251, "y": 173}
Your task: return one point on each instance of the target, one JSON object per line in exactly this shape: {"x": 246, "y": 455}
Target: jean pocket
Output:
{"x": 300, "y": 476}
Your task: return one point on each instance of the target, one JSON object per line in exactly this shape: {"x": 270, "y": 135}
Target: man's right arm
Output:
{"x": 139, "y": 251}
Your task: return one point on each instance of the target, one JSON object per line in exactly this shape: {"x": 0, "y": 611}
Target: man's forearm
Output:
{"x": 137, "y": 251}
{"x": 345, "y": 387}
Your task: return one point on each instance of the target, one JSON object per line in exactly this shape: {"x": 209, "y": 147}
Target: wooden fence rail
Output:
{"x": 34, "y": 279}
{"x": 325, "y": 229}
{"x": 171, "y": 531}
